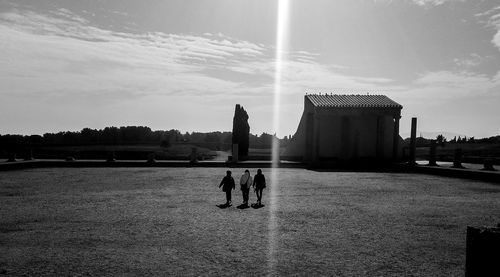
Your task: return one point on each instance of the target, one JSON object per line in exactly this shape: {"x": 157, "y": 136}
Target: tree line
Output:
{"x": 130, "y": 135}
{"x": 442, "y": 140}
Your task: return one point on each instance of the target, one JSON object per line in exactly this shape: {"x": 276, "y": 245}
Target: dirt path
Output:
{"x": 221, "y": 156}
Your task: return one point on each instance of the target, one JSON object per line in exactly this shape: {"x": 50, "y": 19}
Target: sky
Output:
{"x": 185, "y": 64}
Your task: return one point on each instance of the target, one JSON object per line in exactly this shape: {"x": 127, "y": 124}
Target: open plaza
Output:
{"x": 164, "y": 221}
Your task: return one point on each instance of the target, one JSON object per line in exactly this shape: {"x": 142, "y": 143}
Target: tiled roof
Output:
{"x": 352, "y": 101}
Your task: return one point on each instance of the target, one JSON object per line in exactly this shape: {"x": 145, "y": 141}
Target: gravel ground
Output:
{"x": 164, "y": 221}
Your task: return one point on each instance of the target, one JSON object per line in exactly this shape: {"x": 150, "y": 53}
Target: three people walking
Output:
{"x": 246, "y": 181}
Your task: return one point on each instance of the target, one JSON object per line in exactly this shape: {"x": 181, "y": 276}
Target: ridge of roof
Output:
{"x": 352, "y": 101}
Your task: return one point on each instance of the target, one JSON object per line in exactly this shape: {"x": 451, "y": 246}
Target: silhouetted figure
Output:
{"x": 245, "y": 184}
{"x": 227, "y": 185}
{"x": 259, "y": 183}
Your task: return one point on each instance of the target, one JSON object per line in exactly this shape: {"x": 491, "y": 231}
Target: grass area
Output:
{"x": 124, "y": 152}
{"x": 164, "y": 221}
{"x": 472, "y": 152}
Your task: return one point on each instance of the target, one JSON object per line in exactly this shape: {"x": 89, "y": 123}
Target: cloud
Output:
{"x": 493, "y": 20}
{"x": 62, "y": 52}
{"x": 471, "y": 61}
{"x": 59, "y": 62}
{"x": 423, "y": 3}
{"x": 434, "y": 2}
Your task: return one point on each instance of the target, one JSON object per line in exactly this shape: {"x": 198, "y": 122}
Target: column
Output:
{"x": 315, "y": 139}
{"x": 413, "y": 140}
{"x": 380, "y": 137}
{"x": 395, "y": 142}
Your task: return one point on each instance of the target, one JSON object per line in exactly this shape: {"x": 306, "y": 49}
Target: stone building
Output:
{"x": 347, "y": 128}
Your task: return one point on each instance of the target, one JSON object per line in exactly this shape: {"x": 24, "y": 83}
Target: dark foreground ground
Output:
{"x": 164, "y": 221}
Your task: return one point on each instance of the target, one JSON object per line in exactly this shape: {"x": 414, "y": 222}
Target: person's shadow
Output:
{"x": 243, "y": 206}
{"x": 257, "y": 206}
{"x": 224, "y": 206}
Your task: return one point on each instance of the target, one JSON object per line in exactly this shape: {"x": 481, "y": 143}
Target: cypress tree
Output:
{"x": 241, "y": 130}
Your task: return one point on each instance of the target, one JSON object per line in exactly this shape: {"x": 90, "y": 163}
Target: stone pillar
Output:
{"x": 380, "y": 137}
{"x": 29, "y": 155}
{"x": 151, "y": 158}
{"x": 315, "y": 139}
{"x": 432, "y": 153}
{"x": 12, "y": 157}
{"x": 309, "y": 137}
{"x": 395, "y": 142}
{"x": 193, "y": 157}
{"x": 413, "y": 140}
{"x": 457, "y": 159}
{"x": 345, "y": 137}
{"x": 482, "y": 252}
{"x": 234, "y": 158}
{"x": 111, "y": 156}
{"x": 488, "y": 165}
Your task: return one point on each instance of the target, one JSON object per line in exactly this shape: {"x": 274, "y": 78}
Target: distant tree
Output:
{"x": 440, "y": 140}
{"x": 186, "y": 137}
{"x": 165, "y": 143}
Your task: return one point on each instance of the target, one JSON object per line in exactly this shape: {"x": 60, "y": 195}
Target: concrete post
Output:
{"x": 111, "y": 157}
{"x": 482, "y": 255}
{"x": 488, "y": 165}
{"x": 413, "y": 141}
{"x": 29, "y": 155}
{"x": 151, "y": 158}
{"x": 395, "y": 142}
{"x": 12, "y": 157}
{"x": 432, "y": 153}
{"x": 235, "y": 153}
{"x": 457, "y": 159}
{"x": 193, "y": 157}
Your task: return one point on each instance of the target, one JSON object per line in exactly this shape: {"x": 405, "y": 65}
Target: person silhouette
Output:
{"x": 245, "y": 184}
{"x": 227, "y": 185}
{"x": 259, "y": 183}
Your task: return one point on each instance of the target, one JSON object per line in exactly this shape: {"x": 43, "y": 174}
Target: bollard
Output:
{"x": 457, "y": 160}
{"x": 151, "y": 158}
{"x": 29, "y": 155}
{"x": 432, "y": 153}
{"x": 193, "y": 158}
{"x": 111, "y": 157}
{"x": 12, "y": 157}
{"x": 482, "y": 252}
{"x": 488, "y": 165}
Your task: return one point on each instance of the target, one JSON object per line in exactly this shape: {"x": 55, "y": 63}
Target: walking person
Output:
{"x": 245, "y": 184}
{"x": 227, "y": 185}
{"x": 259, "y": 183}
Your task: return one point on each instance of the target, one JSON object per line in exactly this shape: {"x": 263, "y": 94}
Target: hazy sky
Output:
{"x": 184, "y": 64}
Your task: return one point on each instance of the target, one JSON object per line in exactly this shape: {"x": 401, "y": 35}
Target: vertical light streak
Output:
{"x": 280, "y": 61}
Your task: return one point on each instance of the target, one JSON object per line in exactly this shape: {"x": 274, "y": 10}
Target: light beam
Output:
{"x": 280, "y": 60}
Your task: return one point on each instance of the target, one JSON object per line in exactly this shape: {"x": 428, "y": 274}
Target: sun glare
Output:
{"x": 280, "y": 58}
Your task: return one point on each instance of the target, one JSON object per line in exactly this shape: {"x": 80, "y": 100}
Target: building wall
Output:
{"x": 343, "y": 135}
